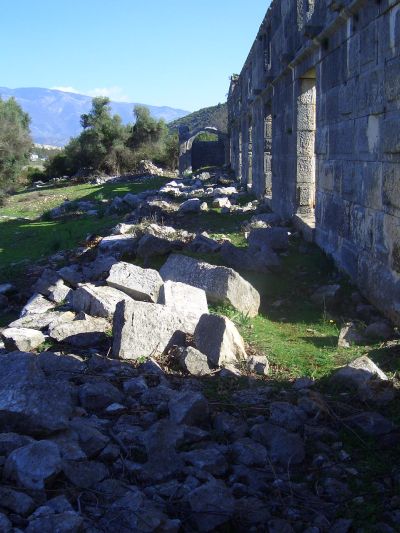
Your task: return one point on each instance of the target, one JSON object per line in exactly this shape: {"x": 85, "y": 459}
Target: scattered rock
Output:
{"x": 211, "y": 505}
{"x": 189, "y": 408}
{"x": 283, "y": 447}
{"x": 97, "y": 396}
{"x": 34, "y": 465}
{"x": 258, "y": 364}
{"x": 194, "y": 362}
{"x": 22, "y": 339}
{"x": 371, "y": 423}
{"x": 29, "y": 402}
{"x": 359, "y": 372}
{"x": 190, "y": 206}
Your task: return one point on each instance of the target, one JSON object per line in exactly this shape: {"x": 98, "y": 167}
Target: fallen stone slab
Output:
{"x": 217, "y": 337}
{"x": 142, "y": 284}
{"x": 71, "y": 274}
{"x": 84, "y": 331}
{"x": 143, "y": 329}
{"x": 97, "y": 301}
{"x": 33, "y": 465}
{"x": 29, "y": 402}
{"x": 21, "y": 339}
{"x": 99, "y": 268}
{"x": 189, "y": 302}
{"x": 370, "y": 423}
{"x": 221, "y": 284}
{"x": 37, "y": 304}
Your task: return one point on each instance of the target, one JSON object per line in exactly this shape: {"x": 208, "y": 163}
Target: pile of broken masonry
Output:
{"x": 112, "y": 428}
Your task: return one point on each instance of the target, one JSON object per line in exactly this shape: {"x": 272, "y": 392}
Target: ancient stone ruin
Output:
{"x": 314, "y": 127}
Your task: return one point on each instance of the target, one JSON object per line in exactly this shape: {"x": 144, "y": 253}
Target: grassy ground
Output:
{"x": 31, "y": 239}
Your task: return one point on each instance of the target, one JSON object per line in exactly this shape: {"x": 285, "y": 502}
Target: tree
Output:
{"x": 146, "y": 130}
{"x": 15, "y": 142}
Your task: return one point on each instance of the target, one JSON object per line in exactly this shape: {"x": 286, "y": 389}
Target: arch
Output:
{"x": 186, "y": 140}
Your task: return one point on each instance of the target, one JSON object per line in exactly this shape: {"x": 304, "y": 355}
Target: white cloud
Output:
{"x": 66, "y": 89}
{"x": 115, "y": 93}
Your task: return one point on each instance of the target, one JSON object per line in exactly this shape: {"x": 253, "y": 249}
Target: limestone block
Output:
{"x": 97, "y": 301}
{"x": 143, "y": 329}
{"x": 391, "y": 185}
{"x": 221, "y": 284}
{"x": 140, "y": 283}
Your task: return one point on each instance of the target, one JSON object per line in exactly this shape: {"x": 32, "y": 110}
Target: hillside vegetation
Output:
{"x": 216, "y": 116}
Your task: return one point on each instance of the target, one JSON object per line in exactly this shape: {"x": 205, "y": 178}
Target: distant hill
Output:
{"x": 56, "y": 114}
{"x": 216, "y": 116}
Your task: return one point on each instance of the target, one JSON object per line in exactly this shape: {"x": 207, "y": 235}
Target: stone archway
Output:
{"x": 186, "y": 139}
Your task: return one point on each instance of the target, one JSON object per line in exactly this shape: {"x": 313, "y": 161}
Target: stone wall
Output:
{"x": 314, "y": 121}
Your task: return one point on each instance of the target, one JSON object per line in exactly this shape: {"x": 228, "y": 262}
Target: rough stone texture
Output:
{"x": 29, "y": 402}
{"x": 42, "y": 320}
{"x": 358, "y": 372}
{"x": 140, "y": 283}
{"x": 221, "y": 284}
{"x": 211, "y": 504}
{"x": 185, "y": 300}
{"x": 194, "y": 362}
{"x": 313, "y": 128}
{"x": 37, "y": 304}
{"x": 283, "y": 447}
{"x": 217, "y": 337}
{"x": 22, "y": 339}
{"x": 258, "y": 364}
{"x": 189, "y": 408}
{"x": 97, "y": 301}
{"x": 33, "y": 465}
{"x": 83, "y": 331}
{"x": 144, "y": 329}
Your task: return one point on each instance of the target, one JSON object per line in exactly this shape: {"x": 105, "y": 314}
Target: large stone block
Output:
{"x": 221, "y": 284}
{"x": 391, "y": 136}
{"x": 140, "y": 283}
{"x": 144, "y": 329}
{"x": 185, "y": 300}
{"x": 97, "y": 301}
{"x": 392, "y": 80}
{"x": 391, "y": 185}
{"x": 217, "y": 337}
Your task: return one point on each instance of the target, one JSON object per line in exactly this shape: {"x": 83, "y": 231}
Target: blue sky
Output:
{"x": 161, "y": 52}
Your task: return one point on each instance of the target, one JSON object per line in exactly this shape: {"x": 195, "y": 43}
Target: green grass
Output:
{"x": 28, "y": 240}
{"x": 34, "y": 203}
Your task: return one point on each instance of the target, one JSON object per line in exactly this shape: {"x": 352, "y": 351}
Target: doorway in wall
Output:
{"x": 306, "y": 130}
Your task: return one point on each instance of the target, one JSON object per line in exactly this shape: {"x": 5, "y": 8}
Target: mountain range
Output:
{"x": 55, "y": 115}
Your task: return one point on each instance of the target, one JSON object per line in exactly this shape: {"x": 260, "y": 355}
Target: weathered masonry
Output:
{"x": 314, "y": 122}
